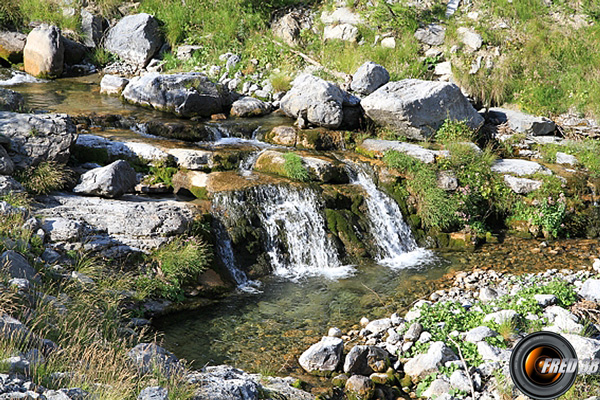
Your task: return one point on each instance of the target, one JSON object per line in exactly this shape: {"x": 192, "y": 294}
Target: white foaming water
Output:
{"x": 18, "y": 77}
{"x": 295, "y": 241}
{"x": 225, "y": 252}
{"x": 397, "y": 247}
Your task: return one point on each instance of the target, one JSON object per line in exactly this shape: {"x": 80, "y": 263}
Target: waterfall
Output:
{"x": 394, "y": 239}
{"x": 295, "y": 240}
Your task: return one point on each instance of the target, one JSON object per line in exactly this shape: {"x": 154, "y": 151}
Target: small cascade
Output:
{"x": 295, "y": 239}
{"x": 397, "y": 246}
{"x": 247, "y": 164}
{"x": 225, "y": 253}
{"x": 9, "y": 77}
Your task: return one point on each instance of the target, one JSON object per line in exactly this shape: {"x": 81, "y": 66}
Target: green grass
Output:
{"x": 454, "y": 131}
{"x": 47, "y": 177}
{"x": 294, "y": 169}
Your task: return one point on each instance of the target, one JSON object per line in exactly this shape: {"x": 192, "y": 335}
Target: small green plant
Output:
{"x": 101, "y": 57}
{"x": 453, "y": 131}
{"x": 294, "y": 169}
{"x": 47, "y": 177}
{"x": 161, "y": 174}
{"x": 281, "y": 81}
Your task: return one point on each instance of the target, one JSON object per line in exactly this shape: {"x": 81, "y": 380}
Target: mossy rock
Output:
{"x": 443, "y": 240}
{"x": 491, "y": 238}
{"x": 339, "y": 380}
{"x": 406, "y": 382}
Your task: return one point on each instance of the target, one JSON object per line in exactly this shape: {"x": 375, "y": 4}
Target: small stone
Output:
{"x": 437, "y": 388}
{"x": 335, "y": 332}
{"x": 413, "y": 333}
{"x": 478, "y": 334}
{"x": 564, "y": 158}
{"x": 360, "y": 386}
{"x": 545, "y": 300}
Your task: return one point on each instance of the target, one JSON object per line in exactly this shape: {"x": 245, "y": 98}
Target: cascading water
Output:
{"x": 394, "y": 239}
{"x": 295, "y": 239}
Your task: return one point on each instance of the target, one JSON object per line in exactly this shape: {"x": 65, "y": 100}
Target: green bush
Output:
{"x": 47, "y": 177}
{"x": 294, "y": 169}
{"x": 177, "y": 263}
{"x": 455, "y": 131}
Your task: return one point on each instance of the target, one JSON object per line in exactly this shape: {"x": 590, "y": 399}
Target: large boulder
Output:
{"x": 74, "y": 51}
{"x": 378, "y": 147}
{"x": 186, "y": 94}
{"x": 11, "y": 46}
{"x": 7, "y": 167}
{"x": 44, "y": 52}
{"x": 37, "y": 137}
{"x": 111, "y": 181}
{"x": 223, "y": 382}
{"x": 585, "y": 348}
{"x": 17, "y": 266}
{"x": 369, "y": 77}
{"x": 148, "y": 357}
{"x": 135, "y": 39}
{"x": 418, "y": 108}
{"x": 522, "y": 123}
{"x": 519, "y": 167}
{"x": 316, "y": 100}
{"x": 591, "y": 290}
{"x": 91, "y": 28}
{"x": 320, "y": 168}
{"x": 364, "y": 360}
{"x": 116, "y": 228}
{"x": 324, "y": 356}
{"x": 117, "y": 149}
{"x": 11, "y": 100}
{"x": 249, "y": 107}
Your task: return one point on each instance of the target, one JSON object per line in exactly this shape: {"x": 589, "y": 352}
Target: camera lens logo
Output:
{"x": 543, "y": 366}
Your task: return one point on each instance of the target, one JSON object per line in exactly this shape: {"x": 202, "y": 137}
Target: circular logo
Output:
{"x": 543, "y": 365}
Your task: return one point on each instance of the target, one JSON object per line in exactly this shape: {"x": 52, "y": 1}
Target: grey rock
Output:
{"x": 91, "y": 28}
{"x": 148, "y": 357}
{"x": 591, "y": 290}
{"x": 135, "y": 39}
{"x": 379, "y": 326}
{"x": 564, "y": 158}
{"x": 432, "y": 34}
{"x": 111, "y": 181}
{"x": 470, "y": 38}
{"x": 478, "y": 334}
{"x": 378, "y": 147}
{"x": 17, "y": 365}
{"x": 492, "y": 353}
{"x": 11, "y": 100}
{"x": 562, "y": 320}
{"x": 488, "y": 294}
{"x": 9, "y": 185}
{"x": 283, "y": 135}
{"x": 44, "y": 52}
{"x": 74, "y": 51}
{"x": 447, "y": 180}
{"x": 369, "y": 77}
{"x": 185, "y": 94}
{"x": 186, "y": 52}
{"x": 519, "y": 167}
{"x": 521, "y": 122}
{"x": 56, "y": 395}
{"x": 585, "y": 348}
{"x": 288, "y": 28}
{"x": 154, "y": 393}
{"x": 460, "y": 381}
{"x": 50, "y": 256}
{"x": 119, "y": 227}
{"x": 437, "y": 388}
{"x": 388, "y": 42}
{"x": 7, "y": 167}
{"x": 364, "y": 360}
{"x": 418, "y": 108}
{"x": 325, "y": 355}
{"x": 37, "y": 137}
{"x": 62, "y": 230}
{"x": 424, "y": 364}
{"x": 344, "y": 32}
{"x": 341, "y": 15}
{"x": 17, "y": 266}
{"x": 12, "y": 45}
{"x": 413, "y": 333}
{"x": 133, "y": 150}
{"x": 522, "y": 185}
{"x": 282, "y": 387}
{"x": 545, "y": 300}
{"x": 315, "y": 99}
{"x": 232, "y": 61}
{"x": 360, "y": 387}
{"x": 223, "y": 382}
{"x": 334, "y": 332}
{"x": 192, "y": 159}
{"x": 113, "y": 84}
{"x": 11, "y": 327}
{"x": 249, "y": 107}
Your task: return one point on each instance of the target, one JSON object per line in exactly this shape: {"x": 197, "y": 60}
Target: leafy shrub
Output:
{"x": 47, "y": 177}
{"x": 294, "y": 169}
{"x": 161, "y": 174}
{"x": 548, "y": 216}
{"x": 454, "y": 131}
{"x": 177, "y": 264}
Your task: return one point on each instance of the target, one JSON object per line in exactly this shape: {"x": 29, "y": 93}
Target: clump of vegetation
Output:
{"x": 161, "y": 173}
{"x": 455, "y": 131}
{"x": 294, "y": 169}
{"x": 101, "y": 57}
{"x": 281, "y": 81}
{"x": 175, "y": 264}
{"x": 49, "y": 12}
{"x": 47, "y": 177}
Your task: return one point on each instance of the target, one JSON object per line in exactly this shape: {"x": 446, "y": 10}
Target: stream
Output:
{"x": 266, "y": 327}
